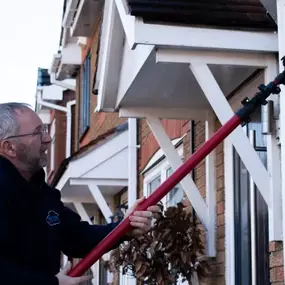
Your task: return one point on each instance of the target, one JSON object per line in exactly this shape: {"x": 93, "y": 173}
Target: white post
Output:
{"x": 274, "y": 165}
{"x": 229, "y": 212}
{"x": 132, "y": 181}
{"x": 211, "y": 190}
{"x": 252, "y": 219}
{"x": 281, "y": 39}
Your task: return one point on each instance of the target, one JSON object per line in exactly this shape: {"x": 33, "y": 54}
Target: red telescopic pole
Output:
{"x": 240, "y": 117}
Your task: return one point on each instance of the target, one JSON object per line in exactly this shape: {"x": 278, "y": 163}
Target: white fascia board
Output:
{"x": 235, "y": 58}
{"x": 204, "y": 38}
{"x": 165, "y": 113}
{"x": 112, "y": 39}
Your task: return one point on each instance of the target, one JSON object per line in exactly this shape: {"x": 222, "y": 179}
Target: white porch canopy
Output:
{"x": 97, "y": 174}
{"x": 155, "y": 71}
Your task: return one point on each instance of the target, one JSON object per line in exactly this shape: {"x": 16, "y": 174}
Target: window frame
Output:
{"x": 85, "y": 96}
{"x": 159, "y": 169}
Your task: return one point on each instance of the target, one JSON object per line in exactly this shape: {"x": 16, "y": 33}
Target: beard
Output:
{"x": 31, "y": 159}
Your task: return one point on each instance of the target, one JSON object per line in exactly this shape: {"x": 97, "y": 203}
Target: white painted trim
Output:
{"x": 239, "y": 139}
{"x": 194, "y": 37}
{"x": 169, "y": 113}
{"x": 63, "y": 180}
{"x": 128, "y": 22}
{"x": 204, "y": 38}
{"x": 132, "y": 63}
{"x": 112, "y": 38}
{"x": 100, "y": 182}
{"x": 76, "y": 199}
{"x": 229, "y": 212}
{"x": 235, "y": 58}
{"x": 210, "y": 165}
{"x": 82, "y": 165}
{"x": 175, "y": 161}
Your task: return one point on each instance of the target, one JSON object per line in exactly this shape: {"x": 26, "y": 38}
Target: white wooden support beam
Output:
{"x": 165, "y": 113}
{"x": 239, "y": 139}
{"x": 82, "y": 212}
{"x": 211, "y": 191}
{"x": 100, "y": 200}
{"x": 174, "y": 160}
{"x": 274, "y": 165}
{"x": 97, "y": 195}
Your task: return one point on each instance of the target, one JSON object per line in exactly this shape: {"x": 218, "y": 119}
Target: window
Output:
{"x": 85, "y": 95}
{"x": 157, "y": 171}
{"x": 250, "y": 210}
{"x": 52, "y": 146}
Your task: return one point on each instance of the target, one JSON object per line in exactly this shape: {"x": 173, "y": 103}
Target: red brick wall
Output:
{"x": 217, "y": 274}
{"x": 101, "y": 122}
{"x": 175, "y": 129}
{"x": 149, "y": 145}
{"x": 276, "y": 263}
{"x": 60, "y": 134}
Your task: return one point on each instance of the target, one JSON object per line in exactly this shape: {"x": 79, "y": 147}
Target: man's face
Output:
{"x": 30, "y": 150}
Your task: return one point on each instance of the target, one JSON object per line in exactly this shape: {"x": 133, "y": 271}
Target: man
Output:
{"x": 35, "y": 225}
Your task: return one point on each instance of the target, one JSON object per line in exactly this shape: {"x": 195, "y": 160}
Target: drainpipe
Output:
{"x": 67, "y": 110}
{"x": 132, "y": 156}
{"x": 281, "y": 48}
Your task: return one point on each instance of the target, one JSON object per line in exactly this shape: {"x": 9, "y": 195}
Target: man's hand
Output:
{"x": 63, "y": 279}
{"x": 142, "y": 220}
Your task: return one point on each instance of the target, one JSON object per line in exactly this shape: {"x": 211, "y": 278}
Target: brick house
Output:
{"x": 151, "y": 84}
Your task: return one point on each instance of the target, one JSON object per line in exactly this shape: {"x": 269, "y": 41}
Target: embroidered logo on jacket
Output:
{"x": 53, "y": 218}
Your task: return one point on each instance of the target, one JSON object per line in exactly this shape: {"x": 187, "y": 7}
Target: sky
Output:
{"x": 30, "y": 33}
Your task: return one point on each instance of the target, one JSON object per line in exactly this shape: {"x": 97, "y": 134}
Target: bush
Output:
{"x": 172, "y": 248}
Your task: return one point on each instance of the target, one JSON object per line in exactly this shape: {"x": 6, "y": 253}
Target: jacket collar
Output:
{"x": 9, "y": 170}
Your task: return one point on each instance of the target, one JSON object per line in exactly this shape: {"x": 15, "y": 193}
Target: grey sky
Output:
{"x": 30, "y": 32}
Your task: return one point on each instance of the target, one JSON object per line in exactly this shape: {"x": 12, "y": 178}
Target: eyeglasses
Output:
{"x": 43, "y": 132}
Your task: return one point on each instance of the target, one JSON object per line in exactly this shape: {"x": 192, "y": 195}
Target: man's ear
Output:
{"x": 7, "y": 148}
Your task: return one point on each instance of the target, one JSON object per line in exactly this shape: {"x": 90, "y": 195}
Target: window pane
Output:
{"x": 243, "y": 218}
{"x": 153, "y": 185}
{"x": 176, "y": 194}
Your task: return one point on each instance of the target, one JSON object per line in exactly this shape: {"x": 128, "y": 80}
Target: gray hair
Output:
{"x": 9, "y": 124}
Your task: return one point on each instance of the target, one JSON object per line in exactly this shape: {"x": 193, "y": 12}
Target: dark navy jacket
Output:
{"x": 36, "y": 227}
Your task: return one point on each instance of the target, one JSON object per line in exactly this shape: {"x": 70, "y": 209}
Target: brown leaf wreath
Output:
{"x": 172, "y": 248}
